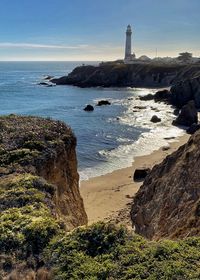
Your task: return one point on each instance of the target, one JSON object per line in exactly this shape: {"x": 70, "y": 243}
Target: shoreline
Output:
{"x": 109, "y": 197}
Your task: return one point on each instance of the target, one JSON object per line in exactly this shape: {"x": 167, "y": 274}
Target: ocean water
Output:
{"x": 110, "y": 137}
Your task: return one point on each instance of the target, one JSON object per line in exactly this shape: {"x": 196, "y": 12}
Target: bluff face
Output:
{"x": 168, "y": 203}
{"x": 127, "y": 75}
{"x": 39, "y": 188}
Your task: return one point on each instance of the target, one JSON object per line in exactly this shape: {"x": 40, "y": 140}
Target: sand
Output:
{"x": 109, "y": 197}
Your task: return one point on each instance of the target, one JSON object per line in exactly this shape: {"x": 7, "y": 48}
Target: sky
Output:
{"x": 86, "y": 30}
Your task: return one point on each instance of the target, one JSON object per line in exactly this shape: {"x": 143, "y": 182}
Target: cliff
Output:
{"x": 39, "y": 188}
{"x": 168, "y": 203}
{"x": 127, "y": 75}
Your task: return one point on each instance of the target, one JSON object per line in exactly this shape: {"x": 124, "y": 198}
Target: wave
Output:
{"x": 138, "y": 114}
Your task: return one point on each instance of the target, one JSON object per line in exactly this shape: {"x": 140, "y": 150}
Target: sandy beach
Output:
{"x": 109, "y": 197}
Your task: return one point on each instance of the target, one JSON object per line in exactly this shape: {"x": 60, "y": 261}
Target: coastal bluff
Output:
{"x": 39, "y": 188}
{"x": 128, "y": 75}
{"x": 168, "y": 203}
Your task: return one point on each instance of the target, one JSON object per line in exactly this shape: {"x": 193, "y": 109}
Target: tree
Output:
{"x": 185, "y": 57}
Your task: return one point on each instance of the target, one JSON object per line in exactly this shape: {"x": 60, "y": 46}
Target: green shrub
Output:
{"x": 104, "y": 251}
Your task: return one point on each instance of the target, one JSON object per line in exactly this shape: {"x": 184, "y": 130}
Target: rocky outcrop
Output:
{"x": 45, "y": 148}
{"x": 185, "y": 91}
{"x": 88, "y": 108}
{"x": 103, "y": 102}
{"x": 168, "y": 202}
{"x": 39, "y": 189}
{"x": 155, "y": 119}
{"x": 188, "y": 115}
{"x": 123, "y": 75}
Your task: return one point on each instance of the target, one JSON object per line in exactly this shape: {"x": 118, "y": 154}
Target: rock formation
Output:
{"x": 168, "y": 203}
{"x": 186, "y": 90}
{"x": 127, "y": 75}
{"x": 188, "y": 115}
{"x": 39, "y": 193}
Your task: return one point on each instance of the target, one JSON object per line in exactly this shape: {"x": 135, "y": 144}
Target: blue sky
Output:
{"x": 95, "y": 30}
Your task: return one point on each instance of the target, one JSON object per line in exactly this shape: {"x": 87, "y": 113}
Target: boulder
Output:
{"x": 188, "y": 115}
{"x": 103, "y": 102}
{"x": 193, "y": 128}
{"x": 186, "y": 90}
{"x": 155, "y": 119}
{"x": 140, "y": 174}
{"x": 89, "y": 108}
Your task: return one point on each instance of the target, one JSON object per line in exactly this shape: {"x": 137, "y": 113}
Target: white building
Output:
{"x": 129, "y": 56}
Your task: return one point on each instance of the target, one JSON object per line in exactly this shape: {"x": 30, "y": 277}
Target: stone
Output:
{"x": 140, "y": 174}
{"x": 155, "y": 119}
{"x": 103, "y": 102}
{"x": 193, "y": 128}
{"x": 89, "y": 108}
{"x": 188, "y": 115}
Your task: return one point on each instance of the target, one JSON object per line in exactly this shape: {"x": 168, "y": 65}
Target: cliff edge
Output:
{"x": 39, "y": 188}
{"x": 168, "y": 203}
{"x": 128, "y": 75}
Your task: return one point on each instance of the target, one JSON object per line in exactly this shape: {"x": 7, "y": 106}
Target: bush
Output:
{"x": 104, "y": 251}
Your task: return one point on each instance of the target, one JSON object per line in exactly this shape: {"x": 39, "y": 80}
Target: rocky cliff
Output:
{"x": 168, "y": 202}
{"x": 123, "y": 75}
{"x": 39, "y": 188}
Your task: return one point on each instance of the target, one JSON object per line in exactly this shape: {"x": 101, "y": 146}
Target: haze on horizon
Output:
{"x": 95, "y": 30}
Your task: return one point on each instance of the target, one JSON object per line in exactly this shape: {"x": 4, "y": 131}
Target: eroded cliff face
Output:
{"x": 39, "y": 192}
{"x": 168, "y": 203}
{"x": 123, "y": 75}
{"x": 45, "y": 148}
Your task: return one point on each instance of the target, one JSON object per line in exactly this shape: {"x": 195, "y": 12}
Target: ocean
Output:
{"x": 110, "y": 137}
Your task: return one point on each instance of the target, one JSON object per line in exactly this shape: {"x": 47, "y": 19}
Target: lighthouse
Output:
{"x": 128, "y": 55}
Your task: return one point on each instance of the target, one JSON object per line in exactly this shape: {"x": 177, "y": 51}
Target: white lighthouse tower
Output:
{"x": 128, "y": 54}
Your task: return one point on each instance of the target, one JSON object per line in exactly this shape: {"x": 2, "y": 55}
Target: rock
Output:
{"x": 193, "y": 128}
{"x": 140, "y": 174}
{"x": 147, "y": 97}
{"x": 103, "y": 102}
{"x": 48, "y": 77}
{"x": 176, "y": 112}
{"x": 163, "y": 95}
{"x": 128, "y": 75}
{"x": 89, "y": 108}
{"x": 140, "y": 107}
{"x": 155, "y": 119}
{"x": 166, "y": 148}
{"x": 186, "y": 90}
{"x": 188, "y": 115}
{"x": 43, "y": 84}
{"x": 167, "y": 204}
{"x": 47, "y": 84}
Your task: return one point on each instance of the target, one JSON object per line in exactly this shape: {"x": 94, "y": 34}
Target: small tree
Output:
{"x": 185, "y": 57}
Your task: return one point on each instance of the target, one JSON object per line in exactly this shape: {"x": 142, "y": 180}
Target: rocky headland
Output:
{"x": 39, "y": 190}
{"x": 127, "y": 75}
